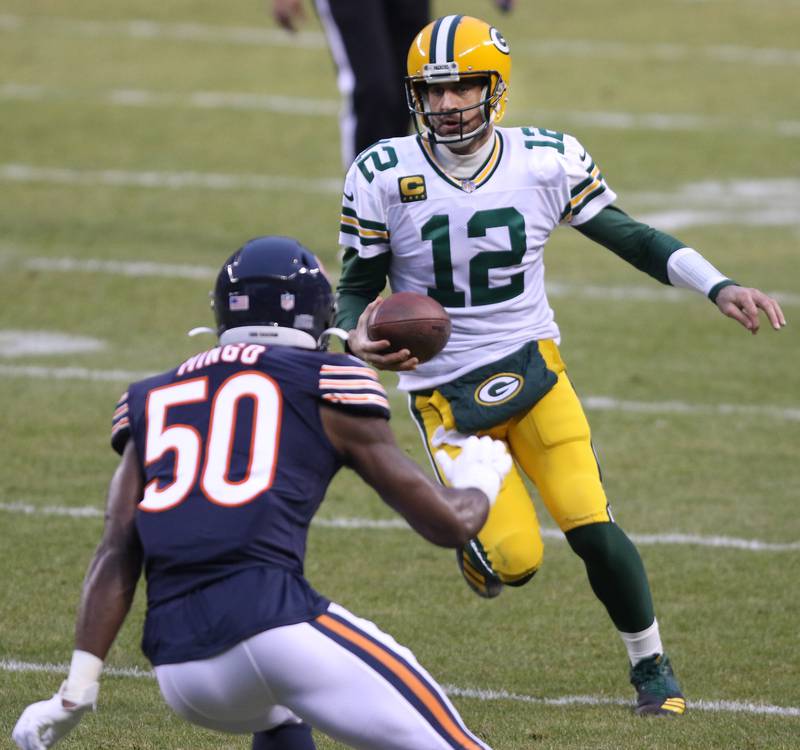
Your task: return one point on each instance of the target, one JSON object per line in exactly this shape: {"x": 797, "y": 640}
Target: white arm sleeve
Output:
{"x": 687, "y": 269}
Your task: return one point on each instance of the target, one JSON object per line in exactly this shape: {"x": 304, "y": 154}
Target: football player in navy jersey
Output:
{"x": 224, "y": 462}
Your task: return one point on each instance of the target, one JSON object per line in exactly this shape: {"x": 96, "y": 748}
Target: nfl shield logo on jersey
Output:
{"x": 287, "y": 301}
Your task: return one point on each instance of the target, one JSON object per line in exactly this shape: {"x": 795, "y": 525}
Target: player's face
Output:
{"x": 450, "y": 97}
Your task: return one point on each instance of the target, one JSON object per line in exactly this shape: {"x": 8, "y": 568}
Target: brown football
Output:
{"x": 412, "y": 321}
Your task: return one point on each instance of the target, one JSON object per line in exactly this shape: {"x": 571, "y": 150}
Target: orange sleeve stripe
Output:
{"x": 355, "y": 398}
{"x": 364, "y": 372}
{"x": 350, "y": 383}
{"x": 405, "y": 675}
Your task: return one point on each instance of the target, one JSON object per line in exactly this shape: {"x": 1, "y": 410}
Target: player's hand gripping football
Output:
{"x": 482, "y": 463}
{"x": 43, "y": 724}
{"x": 365, "y": 348}
{"x": 743, "y": 303}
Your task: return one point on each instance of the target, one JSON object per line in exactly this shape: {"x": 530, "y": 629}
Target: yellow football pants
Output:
{"x": 551, "y": 443}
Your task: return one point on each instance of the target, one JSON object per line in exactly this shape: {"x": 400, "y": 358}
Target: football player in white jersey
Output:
{"x": 461, "y": 212}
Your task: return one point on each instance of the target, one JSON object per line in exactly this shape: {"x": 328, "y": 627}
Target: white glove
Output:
{"x": 482, "y": 463}
{"x": 44, "y": 723}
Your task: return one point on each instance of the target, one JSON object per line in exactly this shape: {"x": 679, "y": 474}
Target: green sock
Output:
{"x": 616, "y": 574}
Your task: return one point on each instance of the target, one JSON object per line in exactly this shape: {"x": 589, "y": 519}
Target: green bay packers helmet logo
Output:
{"x": 499, "y": 388}
{"x": 499, "y": 40}
{"x": 412, "y": 188}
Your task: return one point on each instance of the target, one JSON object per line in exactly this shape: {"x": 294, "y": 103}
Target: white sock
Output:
{"x": 642, "y": 644}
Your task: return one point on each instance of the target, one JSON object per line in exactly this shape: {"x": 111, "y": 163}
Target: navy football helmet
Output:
{"x": 271, "y": 284}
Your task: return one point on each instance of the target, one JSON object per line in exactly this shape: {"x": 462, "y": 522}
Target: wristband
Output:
{"x": 717, "y": 288}
{"x": 687, "y": 269}
{"x": 84, "y": 672}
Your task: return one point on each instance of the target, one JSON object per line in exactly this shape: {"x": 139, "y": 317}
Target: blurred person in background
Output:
{"x": 369, "y": 43}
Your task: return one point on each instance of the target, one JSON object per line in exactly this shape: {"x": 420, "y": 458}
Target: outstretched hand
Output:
{"x": 375, "y": 352}
{"x": 743, "y": 303}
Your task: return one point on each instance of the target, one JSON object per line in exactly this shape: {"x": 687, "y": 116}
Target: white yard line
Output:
{"x": 155, "y": 30}
{"x": 766, "y": 216}
{"x": 306, "y": 106}
{"x": 670, "y": 52}
{"x": 608, "y": 293}
{"x": 769, "y": 202}
{"x": 13, "y": 665}
{"x": 393, "y": 524}
{"x": 658, "y": 121}
{"x": 743, "y": 707}
{"x": 592, "y": 403}
{"x": 72, "y": 373}
{"x": 593, "y": 49}
{"x": 737, "y": 707}
{"x": 133, "y": 268}
{"x": 649, "y": 293}
{"x": 166, "y": 180}
{"x": 293, "y": 105}
{"x": 608, "y": 403}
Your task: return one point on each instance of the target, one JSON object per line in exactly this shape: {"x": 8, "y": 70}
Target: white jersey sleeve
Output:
{"x": 363, "y": 221}
{"x": 589, "y": 193}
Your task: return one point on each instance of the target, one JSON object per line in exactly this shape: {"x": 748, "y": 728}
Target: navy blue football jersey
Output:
{"x": 236, "y": 463}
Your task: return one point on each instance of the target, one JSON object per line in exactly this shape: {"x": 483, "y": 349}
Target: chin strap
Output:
{"x": 340, "y": 334}
{"x": 200, "y": 330}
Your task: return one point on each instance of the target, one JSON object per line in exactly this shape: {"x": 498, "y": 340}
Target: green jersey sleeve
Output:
{"x": 642, "y": 246}
{"x": 362, "y": 280}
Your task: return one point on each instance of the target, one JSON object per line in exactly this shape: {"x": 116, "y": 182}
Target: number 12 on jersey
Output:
{"x": 437, "y": 231}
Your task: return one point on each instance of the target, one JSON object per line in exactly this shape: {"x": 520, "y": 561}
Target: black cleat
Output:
{"x": 657, "y": 690}
{"x": 483, "y": 585}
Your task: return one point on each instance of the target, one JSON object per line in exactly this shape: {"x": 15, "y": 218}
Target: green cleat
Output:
{"x": 657, "y": 690}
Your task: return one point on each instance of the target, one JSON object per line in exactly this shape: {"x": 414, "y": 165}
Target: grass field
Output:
{"x": 142, "y": 142}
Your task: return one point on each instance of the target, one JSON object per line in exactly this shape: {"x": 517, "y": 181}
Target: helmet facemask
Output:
{"x": 418, "y": 105}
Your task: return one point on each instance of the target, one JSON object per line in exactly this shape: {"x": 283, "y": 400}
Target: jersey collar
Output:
{"x": 481, "y": 175}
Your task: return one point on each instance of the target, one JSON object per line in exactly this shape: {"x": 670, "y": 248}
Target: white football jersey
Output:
{"x": 475, "y": 245}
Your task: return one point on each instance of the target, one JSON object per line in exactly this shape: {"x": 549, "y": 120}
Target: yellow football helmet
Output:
{"x": 452, "y": 48}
